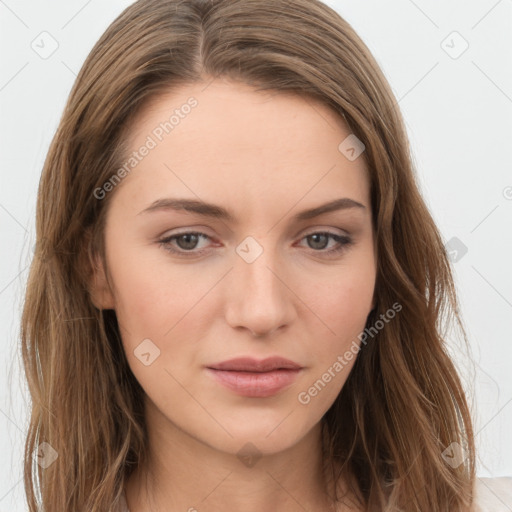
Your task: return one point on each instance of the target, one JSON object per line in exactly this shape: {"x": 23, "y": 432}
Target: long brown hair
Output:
{"x": 403, "y": 404}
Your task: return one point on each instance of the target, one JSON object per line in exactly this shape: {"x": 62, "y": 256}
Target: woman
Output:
{"x": 238, "y": 290}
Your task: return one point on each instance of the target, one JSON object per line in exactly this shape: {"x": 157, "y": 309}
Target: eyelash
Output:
{"x": 343, "y": 240}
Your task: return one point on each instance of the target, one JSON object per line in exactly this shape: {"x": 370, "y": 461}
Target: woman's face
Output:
{"x": 251, "y": 266}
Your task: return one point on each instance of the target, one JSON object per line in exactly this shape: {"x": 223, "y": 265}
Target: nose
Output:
{"x": 259, "y": 299}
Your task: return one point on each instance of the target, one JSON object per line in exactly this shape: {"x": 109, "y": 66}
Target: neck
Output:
{"x": 182, "y": 473}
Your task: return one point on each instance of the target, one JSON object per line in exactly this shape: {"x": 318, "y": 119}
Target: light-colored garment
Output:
{"x": 491, "y": 495}
{"x": 123, "y": 507}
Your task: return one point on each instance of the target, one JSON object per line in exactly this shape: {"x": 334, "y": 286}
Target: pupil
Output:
{"x": 188, "y": 244}
{"x": 315, "y": 240}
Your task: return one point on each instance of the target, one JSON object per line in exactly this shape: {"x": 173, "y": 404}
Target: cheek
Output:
{"x": 343, "y": 300}
{"x": 155, "y": 311}
{"x": 342, "y": 305}
{"x": 152, "y": 295}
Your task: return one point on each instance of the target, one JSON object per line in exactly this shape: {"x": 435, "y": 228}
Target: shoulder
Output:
{"x": 493, "y": 494}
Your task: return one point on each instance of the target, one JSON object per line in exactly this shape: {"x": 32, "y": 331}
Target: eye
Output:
{"x": 320, "y": 240}
{"x": 186, "y": 243}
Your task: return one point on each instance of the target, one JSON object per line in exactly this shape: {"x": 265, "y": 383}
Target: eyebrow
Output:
{"x": 218, "y": 212}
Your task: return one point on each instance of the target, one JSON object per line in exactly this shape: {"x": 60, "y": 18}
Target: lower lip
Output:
{"x": 252, "y": 384}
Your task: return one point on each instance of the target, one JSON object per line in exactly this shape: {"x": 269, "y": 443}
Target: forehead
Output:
{"x": 224, "y": 141}
{"x": 221, "y": 105}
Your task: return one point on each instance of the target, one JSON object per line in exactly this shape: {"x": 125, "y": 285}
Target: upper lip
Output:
{"x": 249, "y": 364}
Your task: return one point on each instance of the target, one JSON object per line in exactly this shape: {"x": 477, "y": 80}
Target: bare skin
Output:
{"x": 265, "y": 158}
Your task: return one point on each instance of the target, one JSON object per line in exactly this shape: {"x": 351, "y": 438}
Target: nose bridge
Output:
{"x": 258, "y": 300}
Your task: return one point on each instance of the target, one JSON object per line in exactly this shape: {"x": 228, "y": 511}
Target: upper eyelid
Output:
{"x": 204, "y": 230}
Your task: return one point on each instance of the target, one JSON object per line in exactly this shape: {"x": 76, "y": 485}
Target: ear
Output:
{"x": 97, "y": 283}
{"x": 99, "y": 288}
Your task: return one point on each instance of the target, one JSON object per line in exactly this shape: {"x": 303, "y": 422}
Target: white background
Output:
{"x": 458, "y": 113}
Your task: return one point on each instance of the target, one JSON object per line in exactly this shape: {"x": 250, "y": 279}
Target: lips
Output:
{"x": 248, "y": 364}
{"x": 255, "y": 378}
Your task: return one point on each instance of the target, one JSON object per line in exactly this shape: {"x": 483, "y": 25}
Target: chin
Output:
{"x": 258, "y": 438}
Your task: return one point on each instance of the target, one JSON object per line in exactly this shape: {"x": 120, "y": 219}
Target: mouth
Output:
{"x": 255, "y": 378}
